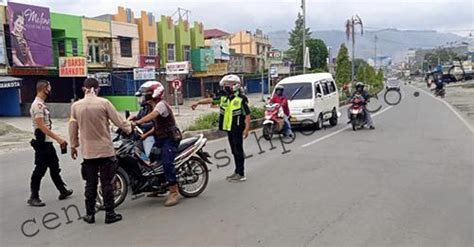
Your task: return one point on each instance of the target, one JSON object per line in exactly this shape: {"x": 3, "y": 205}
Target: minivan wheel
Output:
{"x": 319, "y": 123}
{"x": 333, "y": 119}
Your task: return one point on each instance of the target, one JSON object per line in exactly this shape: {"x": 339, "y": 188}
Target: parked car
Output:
{"x": 313, "y": 99}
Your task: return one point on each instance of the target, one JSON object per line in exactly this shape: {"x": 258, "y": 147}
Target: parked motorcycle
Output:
{"x": 357, "y": 113}
{"x": 274, "y": 122}
{"x": 135, "y": 174}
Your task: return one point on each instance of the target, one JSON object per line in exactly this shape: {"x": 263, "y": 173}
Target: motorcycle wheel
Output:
{"x": 120, "y": 184}
{"x": 354, "y": 127}
{"x": 267, "y": 132}
{"x": 196, "y": 170}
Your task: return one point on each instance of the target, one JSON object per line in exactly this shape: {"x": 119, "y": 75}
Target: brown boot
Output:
{"x": 173, "y": 197}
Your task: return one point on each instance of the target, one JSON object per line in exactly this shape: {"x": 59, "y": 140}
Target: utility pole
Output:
{"x": 375, "y": 50}
{"x": 303, "y": 7}
{"x": 350, "y": 32}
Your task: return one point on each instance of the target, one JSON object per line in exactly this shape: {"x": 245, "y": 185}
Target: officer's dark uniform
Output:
{"x": 233, "y": 110}
{"x": 45, "y": 153}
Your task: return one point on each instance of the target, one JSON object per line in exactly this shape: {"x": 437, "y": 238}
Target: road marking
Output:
{"x": 463, "y": 120}
{"x": 339, "y": 131}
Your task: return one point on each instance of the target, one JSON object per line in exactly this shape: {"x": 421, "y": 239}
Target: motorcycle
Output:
{"x": 357, "y": 113}
{"x": 274, "y": 122}
{"x": 134, "y": 173}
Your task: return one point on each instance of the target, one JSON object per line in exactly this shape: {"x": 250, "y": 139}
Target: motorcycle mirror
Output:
{"x": 127, "y": 114}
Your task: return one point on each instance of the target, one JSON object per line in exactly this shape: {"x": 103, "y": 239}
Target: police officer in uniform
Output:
{"x": 234, "y": 119}
{"x": 45, "y": 154}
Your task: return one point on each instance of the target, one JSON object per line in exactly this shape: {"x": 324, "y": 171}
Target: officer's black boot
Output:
{"x": 89, "y": 218}
{"x": 64, "y": 194}
{"x": 112, "y": 217}
{"x": 35, "y": 200}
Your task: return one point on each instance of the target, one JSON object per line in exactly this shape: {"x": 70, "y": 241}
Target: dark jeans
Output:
{"x": 45, "y": 157}
{"x": 236, "y": 141}
{"x": 91, "y": 168}
{"x": 168, "y": 152}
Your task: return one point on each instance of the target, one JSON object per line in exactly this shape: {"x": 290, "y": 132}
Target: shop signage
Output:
{"x": 149, "y": 61}
{"x": 9, "y": 84}
{"x": 178, "y": 68}
{"x": 141, "y": 74}
{"x": 217, "y": 69}
{"x": 28, "y": 71}
{"x": 72, "y": 67}
{"x": 103, "y": 78}
{"x": 274, "y": 56}
{"x": 30, "y": 35}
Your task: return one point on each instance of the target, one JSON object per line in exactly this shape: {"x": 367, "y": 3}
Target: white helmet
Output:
{"x": 151, "y": 90}
{"x": 232, "y": 81}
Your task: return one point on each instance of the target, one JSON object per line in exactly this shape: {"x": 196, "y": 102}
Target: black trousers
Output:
{"x": 91, "y": 168}
{"x": 236, "y": 141}
{"x": 45, "y": 157}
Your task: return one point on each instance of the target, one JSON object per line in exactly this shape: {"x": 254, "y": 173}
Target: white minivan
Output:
{"x": 312, "y": 98}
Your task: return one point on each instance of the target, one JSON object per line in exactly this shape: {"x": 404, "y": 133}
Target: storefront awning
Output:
{"x": 9, "y": 81}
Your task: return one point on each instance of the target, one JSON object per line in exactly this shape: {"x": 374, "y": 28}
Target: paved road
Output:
{"x": 407, "y": 183}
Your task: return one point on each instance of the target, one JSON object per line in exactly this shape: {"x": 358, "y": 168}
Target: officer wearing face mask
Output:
{"x": 45, "y": 154}
{"x": 234, "y": 119}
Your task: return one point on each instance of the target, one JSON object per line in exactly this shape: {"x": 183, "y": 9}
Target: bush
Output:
{"x": 207, "y": 121}
{"x": 211, "y": 120}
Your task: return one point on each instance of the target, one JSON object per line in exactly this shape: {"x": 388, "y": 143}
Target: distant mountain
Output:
{"x": 391, "y": 42}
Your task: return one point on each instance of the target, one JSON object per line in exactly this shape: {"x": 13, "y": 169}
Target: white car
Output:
{"x": 312, "y": 98}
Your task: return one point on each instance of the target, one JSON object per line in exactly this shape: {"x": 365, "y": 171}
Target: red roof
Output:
{"x": 214, "y": 33}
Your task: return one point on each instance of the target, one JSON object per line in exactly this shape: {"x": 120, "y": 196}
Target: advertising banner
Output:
{"x": 30, "y": 34}
{"x": 140, "y": 74}
{"x": 149, "y": 61}
{"x": 103, "y": 78}
{"x": 72, "y": 67}
{"x": 178, "y": 68}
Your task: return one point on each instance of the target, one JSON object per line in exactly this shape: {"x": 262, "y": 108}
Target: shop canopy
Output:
{"x": 9, "y": 82}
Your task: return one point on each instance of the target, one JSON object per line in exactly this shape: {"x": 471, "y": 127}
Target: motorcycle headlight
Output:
{"x": 308, "y": 110}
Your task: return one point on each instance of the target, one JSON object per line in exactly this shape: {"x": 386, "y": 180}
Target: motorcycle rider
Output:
{"x": 234, "y": 119}
{"x": 360, "y": 90}
{"x": 280, "y": 98}
{"x": 167, "y": 134}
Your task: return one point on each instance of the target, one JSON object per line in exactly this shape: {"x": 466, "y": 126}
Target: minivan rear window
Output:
{"x": 303, "y": 90}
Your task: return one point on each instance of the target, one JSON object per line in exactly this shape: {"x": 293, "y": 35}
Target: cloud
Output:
{"x": 272, "y": 15}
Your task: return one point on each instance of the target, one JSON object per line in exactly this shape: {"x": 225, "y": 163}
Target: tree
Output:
{"x": 361, "y": 72}
{"x": 359, "y": 62}
{"x": 343, "y": 67}
{"x": 296, "y": 40}
{"x": 380, "y": 76}
{"x": 318, "y": 54}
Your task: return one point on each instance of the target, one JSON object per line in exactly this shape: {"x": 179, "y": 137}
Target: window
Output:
{"x": 151, "y": 19}
{"x": 125, "y": 47}
{"x": 187, "y": 53}
{"x": 170, "y": 52}
{"x": 129, "y": 15}
{"x": 62, "y": 48}
{"x": 75, "y": 51}
{"x": 295, "y": 91}
{"x": 317, "y": 89}
{"x": 332, "y": 87}
{"x": 325, "y": 87}
{"x": 151, "y": 48}
{"x": 94, "y": 55}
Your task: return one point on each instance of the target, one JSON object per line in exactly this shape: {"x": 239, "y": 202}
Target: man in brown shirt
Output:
{"x": 89, "y": 127}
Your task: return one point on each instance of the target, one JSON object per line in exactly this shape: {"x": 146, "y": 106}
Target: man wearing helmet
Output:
{"x": 281, "y": 99}
{"x": 167, "y": 134}
{"x": 360, "y": 91}
{"x": 234, "y": 119}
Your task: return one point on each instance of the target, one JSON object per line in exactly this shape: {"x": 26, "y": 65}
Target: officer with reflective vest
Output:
{"x": 234, "y": 118}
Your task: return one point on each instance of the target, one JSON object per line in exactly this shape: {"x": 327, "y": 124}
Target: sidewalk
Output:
{"x": 15, "y": 132}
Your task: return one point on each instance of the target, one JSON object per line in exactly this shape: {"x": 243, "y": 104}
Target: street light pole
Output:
{"x": 303, "y": 7}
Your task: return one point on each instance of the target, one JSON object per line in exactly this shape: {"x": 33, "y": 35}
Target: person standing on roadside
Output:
{"x": 234, "y": 118}
{"x": 45, "y": 154}
{"x": 90, "y": 117}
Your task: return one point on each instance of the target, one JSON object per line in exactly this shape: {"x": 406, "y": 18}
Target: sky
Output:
{"x": 454, "y": 16}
